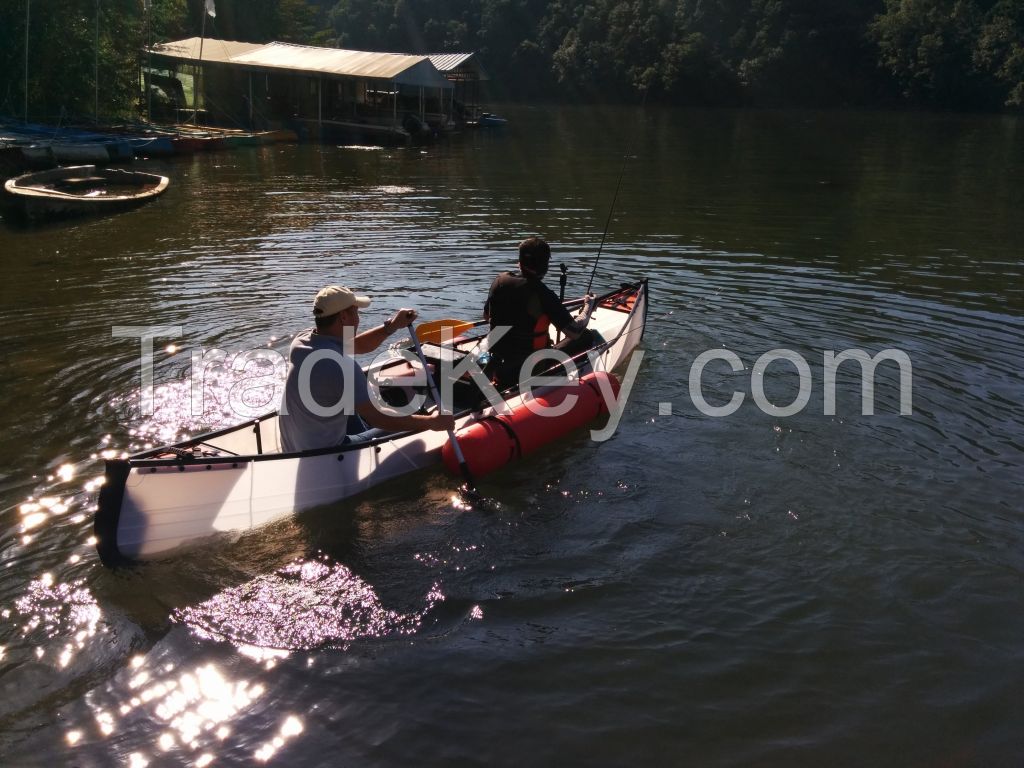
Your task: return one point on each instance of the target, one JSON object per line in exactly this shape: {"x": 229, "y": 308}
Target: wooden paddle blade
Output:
{"x": 436, "y": 331}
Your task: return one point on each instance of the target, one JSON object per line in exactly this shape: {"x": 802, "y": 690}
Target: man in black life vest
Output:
{"x": 521, "y": 301}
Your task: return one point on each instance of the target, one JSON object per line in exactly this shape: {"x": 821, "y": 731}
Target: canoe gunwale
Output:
{"x": 148, "y": 458}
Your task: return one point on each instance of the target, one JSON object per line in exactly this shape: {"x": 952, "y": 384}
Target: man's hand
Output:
{"x": 442, "y": 422}
{"x": 403, "y": 318}
{"x": 367, "y": 341}
{"x": 589, "y": 302}
{"x": 386, "y": 418}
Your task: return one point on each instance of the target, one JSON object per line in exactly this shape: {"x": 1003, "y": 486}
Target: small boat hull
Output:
{"x": 81, "y": 153}
{"x": 82, "y": 190}
{"x": 186, "y": 145}
{"x": 38, "y": 156}
{"x": 487, "y": 120}
{"x": 152, "y": 146}
{"x": 350, "y": 132}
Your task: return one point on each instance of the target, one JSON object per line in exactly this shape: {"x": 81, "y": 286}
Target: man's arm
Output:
{"x": 560, "y": 317}
{"x": 367, "y": 341}
{"x": 386, "y": 419}
{"x": 487, "y": 304}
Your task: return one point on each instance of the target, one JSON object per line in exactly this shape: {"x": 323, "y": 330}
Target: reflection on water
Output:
{"x": 307, "y": 604}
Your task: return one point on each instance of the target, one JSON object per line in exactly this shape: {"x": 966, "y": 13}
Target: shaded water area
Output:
{"x": 754, "y": 589}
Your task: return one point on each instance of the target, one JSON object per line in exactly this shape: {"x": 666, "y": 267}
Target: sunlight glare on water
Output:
{"x": 64, "y": 611}
{"x": 194, "y": 709}
{"x": 307, "y": 604}
{"x": 221, "y": 389}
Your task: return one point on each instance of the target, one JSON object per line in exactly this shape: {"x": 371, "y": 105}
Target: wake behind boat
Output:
{"x": 236, "y": 479}
{"x": 82, "y": 189}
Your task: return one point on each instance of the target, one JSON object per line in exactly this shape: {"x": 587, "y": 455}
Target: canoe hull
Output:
{"x": 162, "y": 508}
{"x": 235, "y": 479}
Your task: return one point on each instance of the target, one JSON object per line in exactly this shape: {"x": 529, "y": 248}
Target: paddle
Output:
{"x": 469, "y": 489}
{"x": 436, "y": 331}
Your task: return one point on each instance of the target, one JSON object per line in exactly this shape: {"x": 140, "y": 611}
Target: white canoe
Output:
{"x": 236, "y": 479}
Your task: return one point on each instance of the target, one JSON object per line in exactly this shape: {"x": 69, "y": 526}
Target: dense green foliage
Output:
{"x": 952, "y": 54}
{"x": 939, "y": 53}
{"x": 70, "y": 42}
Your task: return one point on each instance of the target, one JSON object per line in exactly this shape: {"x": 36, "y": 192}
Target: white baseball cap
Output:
{"x": 336, "y": 298}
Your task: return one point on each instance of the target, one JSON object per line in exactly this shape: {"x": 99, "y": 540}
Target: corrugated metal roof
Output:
{"x": 213, "y": 50}
{"x": 446, "y": 62}
{"x": 399, "y": 68}
{"x": 408, "y": 70}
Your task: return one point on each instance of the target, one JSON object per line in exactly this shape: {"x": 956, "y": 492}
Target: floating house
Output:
{"x": 327, "y": 94}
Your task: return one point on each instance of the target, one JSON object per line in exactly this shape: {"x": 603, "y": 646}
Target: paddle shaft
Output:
{"x": 437, "y": 399}
{"x": 562, "y": 280}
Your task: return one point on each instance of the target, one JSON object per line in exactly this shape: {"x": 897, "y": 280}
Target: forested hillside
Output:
{"x": 946, "y": 54}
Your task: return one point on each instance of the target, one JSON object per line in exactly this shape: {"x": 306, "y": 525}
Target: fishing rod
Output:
{"x": 615, "y": 197}
{"x": 562, "y": 280}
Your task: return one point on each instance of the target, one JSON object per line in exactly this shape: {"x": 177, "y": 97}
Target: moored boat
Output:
{"x": 238, "y": 478}
{"x": 38, "y": 156}
{"x": 82, "y": 189}
{"x": 262, "y": 138}
{"x": 81, "y": 152}
{"x": 489, "y": 120}
{"x": 151, "y": 146}
{"x": 184, "y": 145}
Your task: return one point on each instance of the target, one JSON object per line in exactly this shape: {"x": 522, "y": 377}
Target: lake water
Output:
{"x": 753, "y": 589}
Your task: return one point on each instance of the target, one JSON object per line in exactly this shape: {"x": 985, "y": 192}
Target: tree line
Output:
{"x": 945, "y": 54}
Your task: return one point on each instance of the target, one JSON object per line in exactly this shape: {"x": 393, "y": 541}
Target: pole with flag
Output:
{"x": 211, "y": 11}
{"x": 28, "y": 13}
{"x": 147, "y": 7}
{"x": 96, "y": 69}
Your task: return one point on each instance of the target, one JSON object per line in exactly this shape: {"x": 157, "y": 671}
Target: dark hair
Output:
{"x": 534, "y": 255}
{"x": 325, "y": 321}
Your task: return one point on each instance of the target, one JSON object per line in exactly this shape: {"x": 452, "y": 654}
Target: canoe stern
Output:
{"x": 108, "y": 513}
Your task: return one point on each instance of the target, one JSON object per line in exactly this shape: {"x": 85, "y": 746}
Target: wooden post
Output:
{"x": 197, "y": 76}
{"x": 96, "y": 69}
{"x": 28, "y": 6}
{"x": 146, "y": 81}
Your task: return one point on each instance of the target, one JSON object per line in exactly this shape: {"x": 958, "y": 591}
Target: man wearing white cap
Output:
{"x": 325, "y": 386}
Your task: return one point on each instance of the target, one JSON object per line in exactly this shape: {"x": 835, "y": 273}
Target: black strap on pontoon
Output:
{"x": 511, "y": 432}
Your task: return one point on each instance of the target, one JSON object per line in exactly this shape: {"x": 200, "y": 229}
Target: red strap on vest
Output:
{"x": 540, "y": 333}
